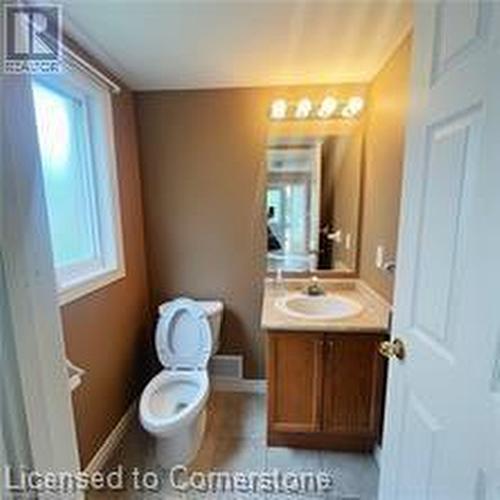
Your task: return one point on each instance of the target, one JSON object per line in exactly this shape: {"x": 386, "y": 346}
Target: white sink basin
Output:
{"x": 323, "y": 307}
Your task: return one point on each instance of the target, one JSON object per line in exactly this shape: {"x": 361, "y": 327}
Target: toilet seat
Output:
{"x": 173, "y": 399}
{"x": 183, "y": 336}
{"x": 176, "y": 395}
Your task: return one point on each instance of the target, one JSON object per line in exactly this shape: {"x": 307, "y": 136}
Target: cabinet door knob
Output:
{"x": 392, "y": 349}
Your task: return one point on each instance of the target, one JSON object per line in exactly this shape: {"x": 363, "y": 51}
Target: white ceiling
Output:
{"x": 184, "y": 44}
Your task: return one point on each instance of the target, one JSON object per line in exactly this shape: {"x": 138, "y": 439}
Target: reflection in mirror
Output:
{"x": 313, "y": 202}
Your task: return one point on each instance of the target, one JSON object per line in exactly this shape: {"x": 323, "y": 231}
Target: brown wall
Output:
{"x": 107, "y": 331}
{"x": 204, "y": 174}
{"x": 384, "y": 151}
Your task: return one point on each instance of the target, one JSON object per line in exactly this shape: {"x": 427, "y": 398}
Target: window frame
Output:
{"x": 81, "y": 278}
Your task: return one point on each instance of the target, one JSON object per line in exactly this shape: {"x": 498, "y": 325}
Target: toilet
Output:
{"x": 172, "y": 406}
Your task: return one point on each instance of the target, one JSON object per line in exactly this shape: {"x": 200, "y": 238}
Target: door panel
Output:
{"x": 14, "y": 435}
{"x": 295, "y": 375}
{"x": 460, "y": 29}
{"x": 420, "y": 430}
{"x": 29, "y": 281}
{"x": 438, "y": 436}
{"x": 451, "y": 152}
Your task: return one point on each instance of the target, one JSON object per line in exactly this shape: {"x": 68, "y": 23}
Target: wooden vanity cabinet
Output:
{"x": 325, "y": 389}
{"x": 352, "y": 389}
{"x": 294, "y": 377}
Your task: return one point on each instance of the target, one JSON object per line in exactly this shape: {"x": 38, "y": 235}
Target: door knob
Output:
{"x": 392, "y": 349}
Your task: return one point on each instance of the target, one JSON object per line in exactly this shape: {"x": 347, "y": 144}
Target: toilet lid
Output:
{"x": 183, "y": 336}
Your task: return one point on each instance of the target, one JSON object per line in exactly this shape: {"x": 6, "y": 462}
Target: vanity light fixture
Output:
{"x": 327, "y": 108}
{"x": 278, "y": 109}
{"x": 304, "y": 108}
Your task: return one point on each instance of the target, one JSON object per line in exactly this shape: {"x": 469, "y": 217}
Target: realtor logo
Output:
{"x": 32, "y": 41}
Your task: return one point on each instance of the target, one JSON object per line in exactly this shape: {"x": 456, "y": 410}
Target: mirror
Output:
{"x": 313, "y": 202}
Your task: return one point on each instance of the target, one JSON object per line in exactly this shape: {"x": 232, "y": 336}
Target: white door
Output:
{"x": 439, "y": 439}
{"x": 37, "y": 417}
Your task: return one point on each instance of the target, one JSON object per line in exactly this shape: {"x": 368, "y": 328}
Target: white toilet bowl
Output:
{"x": 172, "y": 406}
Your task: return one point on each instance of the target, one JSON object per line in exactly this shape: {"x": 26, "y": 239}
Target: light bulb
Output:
{"x": 328, "y": 107}
{"x": 346, "y": 112}
{"x": 304, "y": 108}
{"x": 356, "y": 104}
{"x": 353, "y": 107}
{"x": 278, "y": 109}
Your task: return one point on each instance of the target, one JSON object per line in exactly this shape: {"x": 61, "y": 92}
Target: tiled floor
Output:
{"x": 235, "y": 441}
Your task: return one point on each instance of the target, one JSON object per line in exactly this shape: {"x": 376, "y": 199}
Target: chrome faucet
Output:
{"x": 279, "y": 282}
{"x": 314, "y": 289}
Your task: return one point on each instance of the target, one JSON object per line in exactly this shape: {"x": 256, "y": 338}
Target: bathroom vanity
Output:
{"x": 326, "y": 378}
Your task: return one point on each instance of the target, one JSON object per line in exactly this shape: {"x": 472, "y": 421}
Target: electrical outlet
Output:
{"x": 379, "y": 257}
{"x": 348, "y": 241}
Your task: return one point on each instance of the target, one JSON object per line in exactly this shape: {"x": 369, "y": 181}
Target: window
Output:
{"x": 74, "y": 127}
{"x": 290, "y": 209}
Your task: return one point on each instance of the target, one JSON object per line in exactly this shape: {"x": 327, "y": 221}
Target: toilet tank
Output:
{"x": 214, "y": 310}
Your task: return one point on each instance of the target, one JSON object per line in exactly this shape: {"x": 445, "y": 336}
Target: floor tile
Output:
{"x": 238, "y": 415}
{"x": 234, "y": 441}
{"x": 239, "y": 454}
{"x": 357, "y": 474}
{"x": 292, "y": 459}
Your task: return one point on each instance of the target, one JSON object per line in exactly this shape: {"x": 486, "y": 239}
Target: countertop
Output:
{"x": 373, "y": 318}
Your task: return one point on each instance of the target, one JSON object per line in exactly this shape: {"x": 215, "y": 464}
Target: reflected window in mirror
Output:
{"x": 312, "y": 203}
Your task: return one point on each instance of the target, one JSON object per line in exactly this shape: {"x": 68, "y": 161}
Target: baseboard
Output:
{"x": 227, "y": 384}
{"x": 115, "y": 436}
{"x": 226, "y": 365}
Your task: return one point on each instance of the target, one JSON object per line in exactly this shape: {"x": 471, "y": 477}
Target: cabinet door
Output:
{"x": 294, "y": 362}
{"x": 352, "y": 393}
